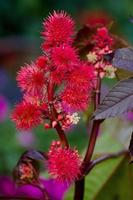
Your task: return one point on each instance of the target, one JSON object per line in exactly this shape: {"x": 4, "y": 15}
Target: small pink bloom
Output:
{"x": 102, "y": 38}
{"x": 47, "y": 126}
{"x": 41, "y": 62}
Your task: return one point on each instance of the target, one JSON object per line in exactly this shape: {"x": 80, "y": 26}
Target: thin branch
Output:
{"x": 91, "y": 146}
{"x": 104, "y": 158}
{"x": 79, "y": 185}
{"x": 54, "y": 115}
{"x": 94, "y": 131}
{"x": 59, "y": 129}
{"x": 97, "y": 93}
{"x": 79, "y": 191}
{"x": 62, "y": 135}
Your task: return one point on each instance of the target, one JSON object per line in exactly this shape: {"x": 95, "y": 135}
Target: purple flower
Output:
{"x": 54, "y": 189}
{"x": 4, "y": 107}
{"x": 6, "y": 186}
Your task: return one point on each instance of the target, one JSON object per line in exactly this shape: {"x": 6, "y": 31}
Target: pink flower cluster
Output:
{"x": 57, "y": 83}
{"x": 102, "y": 45}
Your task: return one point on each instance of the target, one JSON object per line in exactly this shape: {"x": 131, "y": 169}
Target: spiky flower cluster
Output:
{"x": 102, "y": 44}
{"x": 59, "y": 27}
{"x": 57, "y": 83}
{"x": 63, "y": 164}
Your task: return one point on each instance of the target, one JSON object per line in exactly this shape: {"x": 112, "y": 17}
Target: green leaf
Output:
{"x": 122, "y": 179}
{"x": 102, "y": 173}
{"x": 99, "y": 176}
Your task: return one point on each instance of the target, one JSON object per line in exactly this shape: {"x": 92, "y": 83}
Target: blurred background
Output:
{"x": 20, "y": 39}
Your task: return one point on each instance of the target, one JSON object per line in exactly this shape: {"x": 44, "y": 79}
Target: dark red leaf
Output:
{"x": 123, "y": 59}
{"x": 117, "y": 101}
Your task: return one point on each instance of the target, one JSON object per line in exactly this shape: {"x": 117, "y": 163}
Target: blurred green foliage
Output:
{"x": 25, "y": 16}
{"x": 11, "y": 149}
{"x": 111, "y": 179}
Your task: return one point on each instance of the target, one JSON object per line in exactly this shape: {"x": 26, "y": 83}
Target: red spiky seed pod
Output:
{"x": 63, "y": 163}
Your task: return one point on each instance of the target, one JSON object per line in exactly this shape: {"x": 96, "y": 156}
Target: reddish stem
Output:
{"x": 104, "y": 158}
{"x": 79, "y": 190}
{"x": 61, "y": 135}
{"x": 59, "y": 129}
{"x": 94, "y": 131}
{"x": 54, "y": 114}
{"x": 97, "y": 93}
{"x": 91, "y": 146}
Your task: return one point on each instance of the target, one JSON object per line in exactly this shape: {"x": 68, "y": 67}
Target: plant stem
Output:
{"x": 94, "y": 131}
{"x": 79, "y": 189}
{"x": 104, "y": 158}
{"x": 58, "y": 127}
{"x": 79, "y": 185}
{"x": 62, "y": 135}
{"x": 86, "y": 161}
{"x": 91, "y": 146}
{"x": 97, "y": 93}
